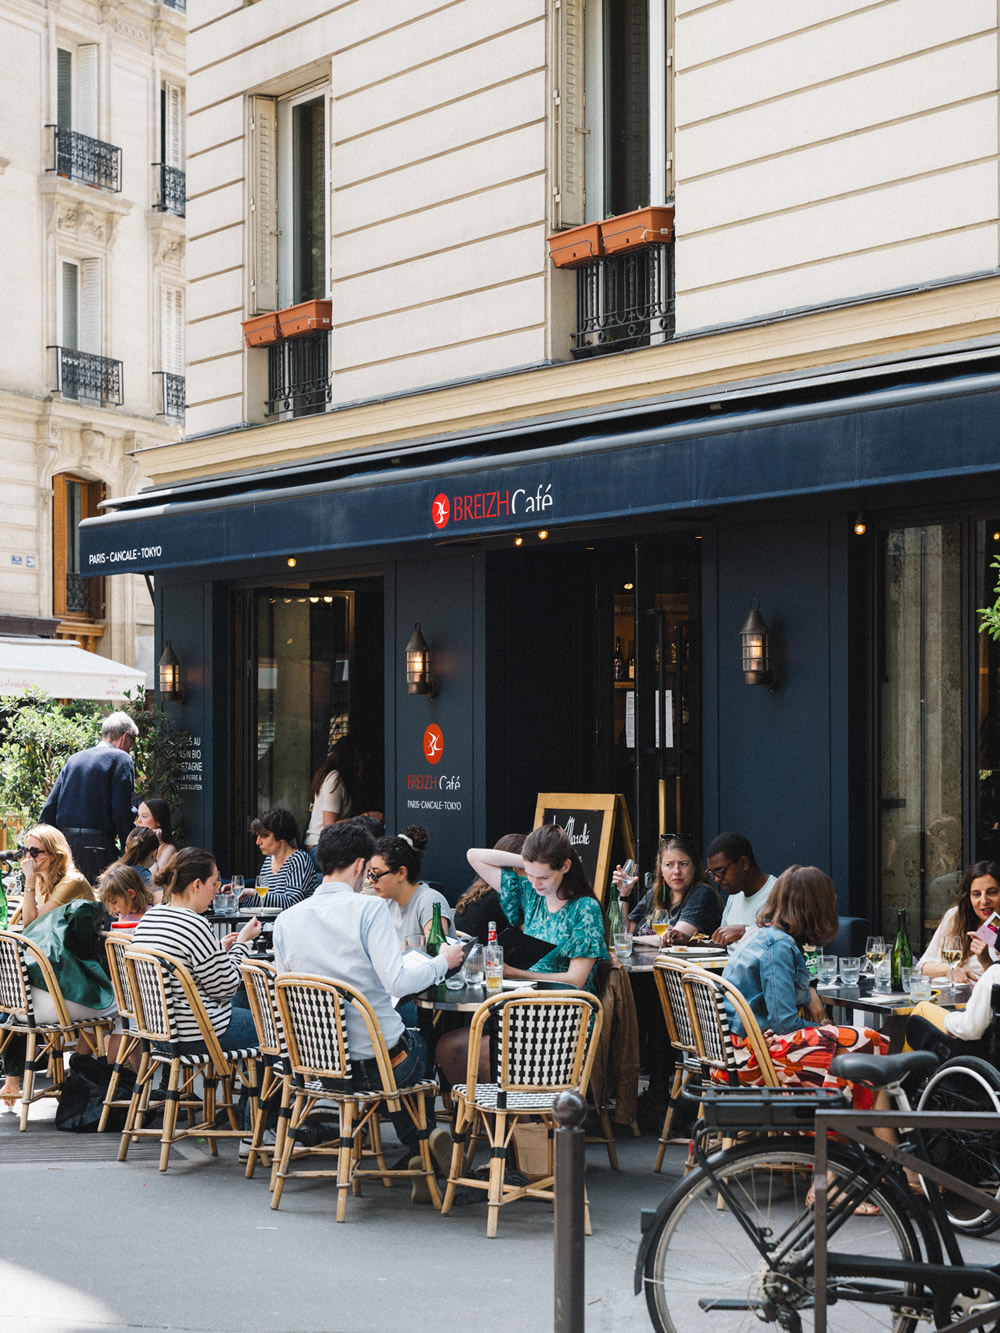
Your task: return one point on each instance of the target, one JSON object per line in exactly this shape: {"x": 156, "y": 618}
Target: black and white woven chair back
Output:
{"x": 155, "y": 997}
{"x": 15, "y": 986}
{"x": 261, "y": 978}
{"x": 713, "y": 1021}
{"x": 315, "y": 1028}
{"x": 115, "y": 950}
{"x": 674, "y": 985}
{"x": 543, "y": 1043}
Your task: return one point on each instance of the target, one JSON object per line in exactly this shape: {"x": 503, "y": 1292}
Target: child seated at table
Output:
{"x": 123, "y": 894}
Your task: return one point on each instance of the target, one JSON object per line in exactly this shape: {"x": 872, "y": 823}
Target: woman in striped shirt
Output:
{"x": 289, "y": 874}
{"x": 178, "y": 927}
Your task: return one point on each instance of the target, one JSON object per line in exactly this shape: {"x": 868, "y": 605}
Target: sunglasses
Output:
{"x": 35, "y": 852}
{"x": 672, "y": 837}
{"x": 374, "y": 876}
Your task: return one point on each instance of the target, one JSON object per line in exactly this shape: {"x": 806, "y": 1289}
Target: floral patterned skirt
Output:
{"x": 802, "y": 1058}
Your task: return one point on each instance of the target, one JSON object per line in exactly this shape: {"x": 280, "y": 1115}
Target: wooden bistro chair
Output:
{"x": 47, "y": 1043}
{"x": 159, "y": 986}
{"x": 668, "y": 974}
{"x": 545, "y": 1044}
{"x": 114, "y": 946}
{"x": 260, "y": 978}
{"x": 313, "y": 1013}
{"x": 706, "y": 992}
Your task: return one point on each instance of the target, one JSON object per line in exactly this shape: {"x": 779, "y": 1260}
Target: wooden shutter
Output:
{"x": 172, "y": 331}
{"x": 571, "y": 116}
{"x": 173, "y": 111}
{"x": 64, "y": 89}
{"x": 70, "y": 332}
{"x": 90, "y": 306}
{"x": 86, "y": 90}
{"x": 264, "y": 203}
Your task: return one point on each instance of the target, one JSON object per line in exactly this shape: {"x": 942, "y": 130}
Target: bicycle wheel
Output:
{"x": 702, "y": 1267}
{"x": 965, "y": 1083}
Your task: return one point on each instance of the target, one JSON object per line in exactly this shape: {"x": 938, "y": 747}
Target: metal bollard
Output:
{"x": 569, "y": 1110}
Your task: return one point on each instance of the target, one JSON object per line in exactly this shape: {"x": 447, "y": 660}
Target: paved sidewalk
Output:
{"x": 93, "y": 1244}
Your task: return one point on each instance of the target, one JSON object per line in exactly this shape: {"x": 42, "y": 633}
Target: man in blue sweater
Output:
{"x": 92, "y": 799}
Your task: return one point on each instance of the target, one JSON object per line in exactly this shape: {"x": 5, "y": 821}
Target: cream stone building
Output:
{"x": 576, "y": 456}
{"x": 92, "y": 366}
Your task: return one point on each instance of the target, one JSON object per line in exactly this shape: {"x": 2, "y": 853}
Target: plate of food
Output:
{"x": 261, "y": 913}
{"x": 696, "y": 950}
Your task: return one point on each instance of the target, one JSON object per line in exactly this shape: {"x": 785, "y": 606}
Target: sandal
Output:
{"x": 864, "y": 1209}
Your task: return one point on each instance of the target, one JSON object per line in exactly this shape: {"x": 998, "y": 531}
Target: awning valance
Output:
{"x": 63, "y": 669}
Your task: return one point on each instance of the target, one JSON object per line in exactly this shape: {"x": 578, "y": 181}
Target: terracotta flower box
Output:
{"x": 306, "y": 317}
{"x": 628, "y": 231}
{"x": 262, "y": 330}
{"x": 578, "y": 245}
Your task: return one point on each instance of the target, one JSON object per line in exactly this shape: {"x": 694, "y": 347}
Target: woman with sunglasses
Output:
{"x": 50, "y": 875}
{"x": 394, "y": 874}
{"x": 693, "y": 906}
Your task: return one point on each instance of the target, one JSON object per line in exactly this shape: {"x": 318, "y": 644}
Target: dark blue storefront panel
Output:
{"x": 675, "y": 469}
{"x": 777, "y": 764}
{"x": 431, "y": 750}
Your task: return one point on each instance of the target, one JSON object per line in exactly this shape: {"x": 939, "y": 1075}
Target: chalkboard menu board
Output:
{"x": 589, "y": 821}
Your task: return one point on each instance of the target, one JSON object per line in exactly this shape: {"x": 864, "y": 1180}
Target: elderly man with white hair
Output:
{"x": 92, "y": 799}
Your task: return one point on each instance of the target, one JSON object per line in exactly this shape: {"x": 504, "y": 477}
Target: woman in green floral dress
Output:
{"x": 553, "y": 901}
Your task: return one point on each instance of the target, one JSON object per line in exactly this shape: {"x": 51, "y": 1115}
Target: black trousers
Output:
{"x": 92, "y": 853}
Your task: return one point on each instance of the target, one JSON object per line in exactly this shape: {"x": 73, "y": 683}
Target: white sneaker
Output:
{"x": 247, "y": 1144}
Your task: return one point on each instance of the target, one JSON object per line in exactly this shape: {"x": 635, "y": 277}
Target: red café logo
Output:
{"x": 489, "y": 504}
{"x": 433, "y": 743}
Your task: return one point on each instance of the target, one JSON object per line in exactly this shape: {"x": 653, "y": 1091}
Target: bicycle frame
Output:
{"x": 946, "y": 1281}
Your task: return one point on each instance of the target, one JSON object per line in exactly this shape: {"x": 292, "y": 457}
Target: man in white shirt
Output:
{"x": 349, "y": 936}
{"x": 730, "y": 861}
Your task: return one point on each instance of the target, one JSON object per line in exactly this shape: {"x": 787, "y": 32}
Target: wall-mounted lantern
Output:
{"x": 170, "y": 676}
{"x": 753, "y": 636}
{"x": 418, "y": 677}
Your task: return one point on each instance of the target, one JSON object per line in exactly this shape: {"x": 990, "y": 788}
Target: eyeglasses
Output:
{"x": 721, "y": 872}
{"x": 35, "y": 852}
{"x": 375, "y": 876}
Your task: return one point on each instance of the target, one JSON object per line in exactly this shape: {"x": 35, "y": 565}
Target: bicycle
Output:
{"x": 736, "y": 1244}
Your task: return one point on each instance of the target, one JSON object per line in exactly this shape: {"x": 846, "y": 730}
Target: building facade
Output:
{"x": 92, "y": 370}
{"x": 578, "y": 462}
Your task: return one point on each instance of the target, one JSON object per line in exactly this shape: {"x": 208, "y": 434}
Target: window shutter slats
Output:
{"x": 64, "y": 89}
{"x": 86, "y": 92}
{"x": 70, "y": 333}
{"x": 173, "y": 330}
{"x": 90, "y": 306}
{"x": 264, "y": 204}
{"x": 172, "y": 126}
{"x": 571, "y": 115}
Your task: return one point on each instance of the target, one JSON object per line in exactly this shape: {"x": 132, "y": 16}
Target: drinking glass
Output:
{"x": 474, "y": 970}
{"x": 660, "y": 923}
{"x": 904, "y": 978}
{"x": 222, "y": 903}
{"x": 850, "y": 970}
{"x": 413, "y": 942}
{"x": 951, "y": 952}
{"x": 875, "y": 950}
{"x": 623, "y": 945}
{"x": 883, "y": 977}
{"x": 261, "y": 887}
{"x": 239, "y": 883}
{"x": 826, "y": 968}
{"x": 920, "y": 987}
{"x": 456, "y": 981}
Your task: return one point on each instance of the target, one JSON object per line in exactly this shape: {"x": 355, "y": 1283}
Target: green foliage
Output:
{"x": 38, "y": 735}
{"x": 991, "y": 614}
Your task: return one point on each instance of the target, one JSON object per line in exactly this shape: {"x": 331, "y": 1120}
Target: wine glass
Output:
{"x": 660, "y": 923}
{"x": 238, "y": 883}
{"x": 874, "y": 950}
{"x": 951, "y": 952}
{"x": 261, "y": 887}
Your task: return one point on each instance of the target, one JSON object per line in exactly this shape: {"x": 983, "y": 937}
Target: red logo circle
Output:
{"x": 440, "y": 510}
{"x": 433, "y": 743}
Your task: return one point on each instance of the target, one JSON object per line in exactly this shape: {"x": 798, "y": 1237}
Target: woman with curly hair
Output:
{"x": 977, "y": 899}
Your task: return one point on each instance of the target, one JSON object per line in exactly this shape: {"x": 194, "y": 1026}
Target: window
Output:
{"x": 76, "y": 89}
{"x": 290, "y": 189}
{"x": 612, "y": 149}
{"x": 73, "y": 597}
{"x": 80, "y": 316}
{"x": 172, "y": 187}
{"x": 172, "y": 331}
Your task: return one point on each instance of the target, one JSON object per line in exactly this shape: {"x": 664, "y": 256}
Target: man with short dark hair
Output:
{"x": 342, "y": 933}
{"x": 731, "y": 863}
{"x": 91, "y": 801}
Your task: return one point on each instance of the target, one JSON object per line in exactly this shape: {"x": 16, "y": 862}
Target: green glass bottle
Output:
{"x": 902, "y": 954}
{"x": 435, "y": 936}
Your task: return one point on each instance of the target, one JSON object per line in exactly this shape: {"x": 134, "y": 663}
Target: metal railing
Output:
{"x": 77, "y": 594}
{"x": 625, "y": 301}
{"x": 83, "y": 375}
{"x": 176, "y": 4}
{"x": 173, "y": 190}
{"x": 298, "y": 375}
{"x": 172, "y": 394}
{"x": 81, "y": 158}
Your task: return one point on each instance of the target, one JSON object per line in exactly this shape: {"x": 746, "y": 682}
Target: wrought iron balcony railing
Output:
{"x": 173, "y": 190}
{"x": 83, "y": 375}
{"x": 172, "y": 396}
{"x": 77, "y": 594}
{"x": 625, "y": 301}
{"x": 298, "y": 375}
{"x": 81, "y": 158}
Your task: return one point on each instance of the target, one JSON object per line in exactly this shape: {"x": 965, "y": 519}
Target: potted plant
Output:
{"x": 628, "y": 231}
{"x": 576, "y": 245}
{"x": 306, "y": 317}
{"x": 262, "y": 329}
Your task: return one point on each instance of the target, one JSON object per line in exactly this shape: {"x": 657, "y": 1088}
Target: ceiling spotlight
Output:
{"x": 291, "y": 562}
{"x": 543, "y": 534}
{"x": 518, "y": 540}
{"x": 860, "y": 526}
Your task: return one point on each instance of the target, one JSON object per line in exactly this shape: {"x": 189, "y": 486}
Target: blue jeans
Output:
{"x": 413, "y": 1069}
